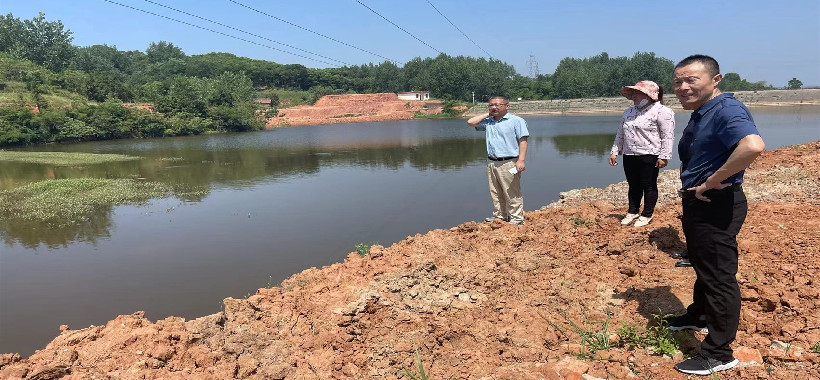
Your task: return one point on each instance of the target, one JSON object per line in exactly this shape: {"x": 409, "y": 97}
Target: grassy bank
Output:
{"x": 63, "y": 158}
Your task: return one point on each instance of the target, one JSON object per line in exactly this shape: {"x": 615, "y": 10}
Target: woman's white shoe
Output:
{"x": 642, "y": 221}
{"x": 629, "y": 218}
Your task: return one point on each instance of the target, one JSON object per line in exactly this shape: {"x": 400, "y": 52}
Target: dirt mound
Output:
{"x": 335, "y": 109}
{"x": 488, "y": 301}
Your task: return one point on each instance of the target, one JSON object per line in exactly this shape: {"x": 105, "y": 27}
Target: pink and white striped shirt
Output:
{"x": 647, "y": 131}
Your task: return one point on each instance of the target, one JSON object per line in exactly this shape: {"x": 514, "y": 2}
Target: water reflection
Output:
{"x": 32, "y": 234}
{"x": 597, "y": 144}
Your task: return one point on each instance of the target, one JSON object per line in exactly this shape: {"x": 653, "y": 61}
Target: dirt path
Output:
{"x": 486, "y": 301}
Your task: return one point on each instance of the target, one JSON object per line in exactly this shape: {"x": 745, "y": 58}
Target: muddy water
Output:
{"x": 278, "y": 202}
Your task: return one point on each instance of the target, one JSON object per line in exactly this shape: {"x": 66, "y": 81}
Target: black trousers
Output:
{"x": 711, "y": 230}
{"x": 642, "y": 177}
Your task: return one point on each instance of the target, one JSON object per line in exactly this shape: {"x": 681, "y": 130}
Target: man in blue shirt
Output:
{"x": 719, "y": 142}
{"x": 506, "y": 151}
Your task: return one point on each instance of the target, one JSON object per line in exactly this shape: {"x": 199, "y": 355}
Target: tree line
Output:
{"x": 215, "y": 91}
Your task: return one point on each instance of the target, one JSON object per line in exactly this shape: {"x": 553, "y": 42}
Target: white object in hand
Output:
{"x": 513, "y": 170}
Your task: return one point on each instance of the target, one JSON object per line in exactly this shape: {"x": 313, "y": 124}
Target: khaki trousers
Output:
{"x": 505, "y": 191}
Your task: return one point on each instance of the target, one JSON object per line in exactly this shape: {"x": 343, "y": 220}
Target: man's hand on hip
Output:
{"x": 703, "y": 187}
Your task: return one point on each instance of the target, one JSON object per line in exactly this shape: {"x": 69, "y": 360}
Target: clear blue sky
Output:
{"x": 759, "y": 39}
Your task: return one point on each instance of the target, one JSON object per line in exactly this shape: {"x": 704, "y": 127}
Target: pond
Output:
{"x": 278, "y": 202}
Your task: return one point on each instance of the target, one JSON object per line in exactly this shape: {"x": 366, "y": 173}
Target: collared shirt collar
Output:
{"x": 506, "y": 116}
{"x": 712, "y": 103}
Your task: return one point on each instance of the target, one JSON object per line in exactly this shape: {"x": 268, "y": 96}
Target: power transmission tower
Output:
{"x": 533, "y": 65}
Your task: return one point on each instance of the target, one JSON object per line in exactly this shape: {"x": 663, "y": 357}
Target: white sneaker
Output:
{"x": 629, "y": 218}
{"x": 642, "y": 221}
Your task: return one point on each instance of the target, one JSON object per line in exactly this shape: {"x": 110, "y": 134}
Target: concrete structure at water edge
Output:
{"x": 616, "y": 105}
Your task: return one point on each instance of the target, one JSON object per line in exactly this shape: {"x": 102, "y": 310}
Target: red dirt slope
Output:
{"x": 335, "y": 109}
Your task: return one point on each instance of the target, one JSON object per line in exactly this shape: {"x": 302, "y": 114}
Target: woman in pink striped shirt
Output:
{"x": 645, "y": 139}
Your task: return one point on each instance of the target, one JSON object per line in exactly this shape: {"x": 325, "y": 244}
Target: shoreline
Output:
{"x": 358, "y": 108}
{"x": 610, "y": 112}
{"x": 483, "y": 299}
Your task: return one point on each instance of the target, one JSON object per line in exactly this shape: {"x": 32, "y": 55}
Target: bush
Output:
{"x": 183, "y": 124}
{"x": 74, "y": 130}
{"x": 15, "y": 125}
{"x": 239, "y": 118}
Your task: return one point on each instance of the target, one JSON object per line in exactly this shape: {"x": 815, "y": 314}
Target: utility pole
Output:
{"x": 473, "y": 97}
{"x": 533, "y": 65}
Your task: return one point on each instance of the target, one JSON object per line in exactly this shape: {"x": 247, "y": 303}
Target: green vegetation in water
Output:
{"x": 63, "y": 158}
{"x": 63, "y": 202}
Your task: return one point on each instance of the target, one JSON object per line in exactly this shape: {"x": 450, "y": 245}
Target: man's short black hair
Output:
{"x": 708, "y": 62}
{"x": 502, "y": 97}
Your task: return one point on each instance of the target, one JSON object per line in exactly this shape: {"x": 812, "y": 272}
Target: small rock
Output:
{"x": 748, "y": 355}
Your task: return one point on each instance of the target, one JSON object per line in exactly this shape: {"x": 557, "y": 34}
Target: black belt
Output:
{"x": 501, "y": 158}
{"x": 691, "y": 193}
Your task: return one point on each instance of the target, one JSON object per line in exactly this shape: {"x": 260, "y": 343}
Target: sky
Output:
{"x": 770, "y": 41}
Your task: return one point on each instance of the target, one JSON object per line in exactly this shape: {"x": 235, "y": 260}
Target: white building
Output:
{"x": 414, "y": 95}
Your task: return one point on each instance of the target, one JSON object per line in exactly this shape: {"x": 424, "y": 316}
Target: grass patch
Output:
{"x": 289, "y": 98}
{"x": 346, "y": 115}
{"x": 657, "y": 337}
{"x": 63, "y": 202}
{"x": 421, "y": 115}
{"x": 16, "y": 93}
{"x": 363, "y": 249}
{"x": 816, "y": 348}
{"x": 578, "y": 221}
{"x": 63, "y": 158}
{"x": 421, "y": 374}
{"x": 594, "y": 335}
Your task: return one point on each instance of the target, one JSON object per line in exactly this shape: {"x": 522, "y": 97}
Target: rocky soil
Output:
{"x": 493, "y": 301}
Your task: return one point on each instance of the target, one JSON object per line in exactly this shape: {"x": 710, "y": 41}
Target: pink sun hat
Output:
{"x": 648, "y": 87}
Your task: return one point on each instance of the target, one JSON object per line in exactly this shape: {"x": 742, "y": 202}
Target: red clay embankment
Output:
{"x": 354, "y": 108}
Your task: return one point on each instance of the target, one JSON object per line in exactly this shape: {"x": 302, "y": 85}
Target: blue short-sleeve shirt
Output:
{"x": 503, "y": 134}
{"x": 710, "y": 138}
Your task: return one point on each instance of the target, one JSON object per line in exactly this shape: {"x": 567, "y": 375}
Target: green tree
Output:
{"x": 102, "y": 58}
{"x": 387, "y": 77}
{"x": 794, "y": 84}
{"x": 186, "y": 94}
{"x": 733, "y": 82}
{"x": 162, "y": 51}
{"x": 43, "y": 42}
{"x": 601, "y": 75}
{"x": 230, "y": 89}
